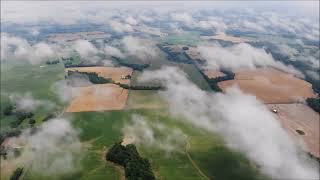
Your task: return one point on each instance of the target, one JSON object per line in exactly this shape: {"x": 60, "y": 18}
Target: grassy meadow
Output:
{"x": 203, "y": 156}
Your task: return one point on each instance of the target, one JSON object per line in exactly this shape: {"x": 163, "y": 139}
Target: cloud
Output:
{"x": 313, "y": 74}
{"x": 18, "y": 48}
{"x": 183, "y": 17}
{"x": 120, "y": 27}
{"x": 27, "y": 102}
{"x": 35, "y": 31}
{"x": 113, "y": 51}
{"x": 52, "y": 149}
{"x": 138, "y": 47}
{"x": 155, "y": 134}
{"x": 241, "y": 56}
{"x": 85, "y": 48}
{"x": 63, "y": 89}
{"x": 132, "y": 21}
{"x": 216, "y": 24}
{"x": 145, "y": 18}
{"x": 245, "y": 123}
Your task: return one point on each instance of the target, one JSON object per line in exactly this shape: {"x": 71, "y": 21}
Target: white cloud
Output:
{"x": 154, "y": 134}
{"x": 245, "y": 123}
{"x": 241, "y": 56}
{"x": 18, "y": 48}
{"x": 313, "y": 74}
{"x": 132, "y": 21}
{"x": 52, "y": 149}
{"x": 138, "y": 47}
{"x": 113, "y": 51}
{"x": 183, "y": 17}
{"x": 146, "y": 18}
{"x": 85, "y": 48}
{"x": 120, "y": 27}
{"x": 28, "y": 103}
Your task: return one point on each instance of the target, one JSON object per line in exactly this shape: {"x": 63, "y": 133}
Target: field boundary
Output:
{"x": 188, "y": 146}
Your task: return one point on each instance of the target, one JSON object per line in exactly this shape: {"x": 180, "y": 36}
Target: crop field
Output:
{"x": 224, "y": 37}
{"x": 191, "y": 38}
{"x": 213, "y": 73}
{"x": 98, "y": 97}
{"x": 271, "y": 86}
{"x": 145, "y": 99}
{"x": 20, "y": 78}
{"x": 300, "y": 118}
{"x": 99, "y": 130}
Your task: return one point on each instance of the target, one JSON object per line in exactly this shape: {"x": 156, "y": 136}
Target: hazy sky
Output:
{"x": 15, "y": 9}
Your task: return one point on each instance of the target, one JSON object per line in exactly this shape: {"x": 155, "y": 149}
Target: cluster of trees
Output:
{"x": 139, "y": 87}
{"x": 314, "y": 103}
{"x": 16, "y": 174}
{"x": 213, "y": 82}
{"x": 138, "y": 67}
{"x": 136, "y": 167}
{"x": 180, "y": 57}
{"x": 93, "y": 77}
{"x": 20, "y": 115}
{"x": 52, "y": 62}
{"x": 69, "y": 64}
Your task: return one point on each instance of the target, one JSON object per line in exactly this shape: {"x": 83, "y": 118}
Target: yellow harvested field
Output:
{"x": 213, "y": 73}
{"x": 225, "y": 37}
{"x": 302, "y": 118}
{"x": 99, "y": 97}
{"x": 115, "y": 73}
{"x": 270, "y": 85}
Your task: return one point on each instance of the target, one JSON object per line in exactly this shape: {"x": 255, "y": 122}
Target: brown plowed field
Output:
{"x": 213, "y": 73}
{"x": 99, "y": 97}
{"x": 300, "y": 117}
{"x": 270, "y": 85}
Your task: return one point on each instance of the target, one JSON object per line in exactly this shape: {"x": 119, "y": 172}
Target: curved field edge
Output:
{"x": 99, "y": 130}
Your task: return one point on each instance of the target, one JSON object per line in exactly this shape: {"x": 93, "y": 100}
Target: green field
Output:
{"x": 207, "y": 150}
{"x": 21, "y": 77}
{"x": 190, "y": 38}
{"x": 203, "y": 156}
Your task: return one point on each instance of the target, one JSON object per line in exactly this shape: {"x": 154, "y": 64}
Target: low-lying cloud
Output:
{"x": 18, "y": 48}
{"x": 85, "y": 48}
{"x": 27, "y": 102}
{"x": 241, "y": 56}
{"x": 52, "y": 149}
{"x": 155, "y": 134}
{"x": 245, "y": 123}
{"x": 138, "y": 47}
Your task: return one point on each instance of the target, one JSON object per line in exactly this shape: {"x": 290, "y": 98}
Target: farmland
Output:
{"x": 271, "y": 86}
{"x": 99, "y": 97}
{"x": 299, "y": 117}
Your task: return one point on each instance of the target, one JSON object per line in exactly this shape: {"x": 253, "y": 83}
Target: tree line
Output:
{"x": 213, "y": 82}
{"x": 93, "y": 77}
{"x": 138, "y": 67}
{"x": 136, "y": 167}
{"x": 139, "y": 87}
{"x": 20, "y": 115}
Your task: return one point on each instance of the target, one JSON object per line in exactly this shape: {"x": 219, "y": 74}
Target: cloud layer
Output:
{"x": 241, "y": 56}
{"x": 155, "y": 134}
{"x": 245, "y": 123}
{"x": 52, "y": 149}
